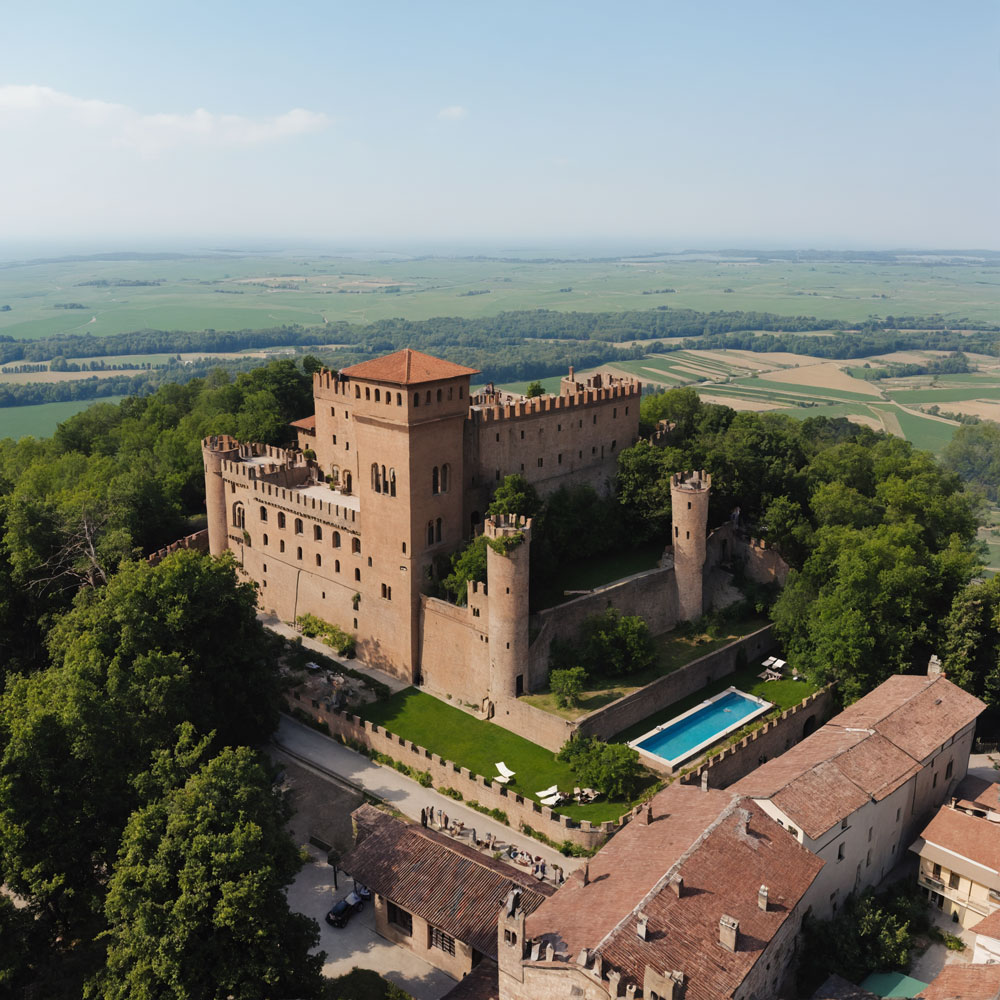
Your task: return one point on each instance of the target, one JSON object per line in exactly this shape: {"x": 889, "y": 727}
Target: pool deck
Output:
{"x": 670, "y": 764}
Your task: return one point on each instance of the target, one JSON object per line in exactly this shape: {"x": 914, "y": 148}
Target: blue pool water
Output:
{"x": 677, "y": 739}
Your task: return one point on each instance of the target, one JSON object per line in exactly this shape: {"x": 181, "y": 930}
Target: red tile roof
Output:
{"x": 724, "y": 848}
{"x": 866, "y": 752}
{"x": 978, "y": 793}
{"x": 306, "y": 423}
{"x": 973, "y": 837}
{"x": 450, "y": 885}
{"x": 989, "y": 926}
{"x": 964, "y": 982}
{"x": 480, "y": 984}
{"x": 407, "y": 367}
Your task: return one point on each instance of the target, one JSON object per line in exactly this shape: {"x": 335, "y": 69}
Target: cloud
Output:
{"x": 453, "y": 112}
{"x": 151, "y": 133}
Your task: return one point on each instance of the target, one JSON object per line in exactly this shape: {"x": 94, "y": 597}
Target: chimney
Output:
{"x": 934, "y": 667}
{"x": 729, "y": 929}
{"x": 586, "y": 873}
{"x": 630, "y": 991}
{"x": 646, "y": 815}
{"x": 642, "y": 927}
{"x": 677, "y": 885}
{"x": 583, "y": 958}
{"x": 550, "y": 952}
{"x": 571, "y": 371}
{"x": 614, "y": 978}
{"x": 704, "y": 780}
{"x": 762, "y": 898}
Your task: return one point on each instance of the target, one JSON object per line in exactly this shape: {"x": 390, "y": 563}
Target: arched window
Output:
{"x": 347, "y": 482}
{"x": 416, "y": 399}
{"x": 376, "y": 478}
{"x": 356, "y": 545}
{"x": 378, "y": 396}
{"x": 263, "y": 513}
{"x": 430, "y": 532}
{"x": 392, "y": 482}
{"x": 439, "y": 395}
{"x": 460, "y": 392}
{"x": 368, "y": 392}
{"x": 427, "y": 400}
{"x": 298, "y": 552}
{"x": 265, "y": 539}
{"x": 281, "y": 546}
{"x": 435, "y": 481}
{"x": 239, "y": 515}
{"x": 281, "y": 520}
{"x": 437, "y": 530}
{"x": 317, "y": 533}
{"x": 357, "y": 392}
{"x": 336, "y": 539}
{"x": 298, "y": 526}
{"x": 445, "y": 476}
{"x": 319, "y": 559}
{"x": 357, "y": 575}
{"x": 399, "y": 399}
{"x": 336, "y": 565}
{"x": 335, "y": 474}
{"x": 385, "y": 481}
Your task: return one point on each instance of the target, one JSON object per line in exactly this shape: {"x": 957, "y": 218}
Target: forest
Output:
{"x": 134, "y": 804}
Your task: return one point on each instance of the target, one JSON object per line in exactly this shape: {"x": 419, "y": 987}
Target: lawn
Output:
{"x": 596, "y": 571}
{"x": 478, "y": 745}
{"x": 783, "y": 694}
{"x": 673, "y": 649}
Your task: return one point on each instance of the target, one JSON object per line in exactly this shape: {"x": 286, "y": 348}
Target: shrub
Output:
{"x": 611, "y": 768}
{"x": 332, "y": 635}
{"x": 566, "y": 847}
{"x": 567, "y": 685}
{"x": 611, "y": 644}
{"x": 497, "y": 814}
{"x": 452, "y": 793}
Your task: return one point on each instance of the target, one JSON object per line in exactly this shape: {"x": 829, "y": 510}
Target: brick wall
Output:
{"x": 197, "y": 541}
{"x": 771, "y": 740}
{"x": 663, "y": 692}
{"x": 541, "y": 727}
{"x": 446, "y": 774}
{"x": 454, "y": 653}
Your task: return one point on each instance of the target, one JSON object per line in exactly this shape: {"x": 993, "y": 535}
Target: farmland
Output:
{"x": 41, "y": 420}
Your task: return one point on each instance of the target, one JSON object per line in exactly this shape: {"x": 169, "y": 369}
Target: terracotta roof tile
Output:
{"x": 736, "y": 849}
{"x": 978, "y": 793}
{"x": 306, "y": 423}
{"x": 820, "y": 799}
{"x": 480, "y": 984}
{"x": 407, "y": 367}
{"x": 974, "y": 838}
{"x": 989, "y": 926}
{"x": 964, "y": 982}
{"x": 450, "y": 885}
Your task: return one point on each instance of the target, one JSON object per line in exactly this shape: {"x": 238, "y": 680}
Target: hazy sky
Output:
{"x": 674, "y": 124}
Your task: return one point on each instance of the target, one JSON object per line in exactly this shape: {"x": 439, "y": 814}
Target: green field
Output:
{"x": 236, "y": 290}
{"x": 41, "y": 420}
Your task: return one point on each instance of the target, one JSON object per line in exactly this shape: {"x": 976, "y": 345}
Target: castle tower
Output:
{"x": 216, "y": 450}
{"x": 689, "y": 493}
{"x": 507, "y": 587}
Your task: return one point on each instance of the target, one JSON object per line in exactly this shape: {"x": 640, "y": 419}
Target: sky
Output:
{"x": 657, "y": 125}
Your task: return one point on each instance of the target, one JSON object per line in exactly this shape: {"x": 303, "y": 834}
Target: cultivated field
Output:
{"x": 41, "y": 420}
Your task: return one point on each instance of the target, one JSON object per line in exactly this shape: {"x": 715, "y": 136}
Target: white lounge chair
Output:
{"x": 551, "y": 800}
{"x": 505, "y": 773}
{"x": 769, "y": 662}
{"x": 546, "y": 792}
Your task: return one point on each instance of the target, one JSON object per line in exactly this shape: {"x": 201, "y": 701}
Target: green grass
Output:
{"x": 945, "y": 395}
{"x": 673, "y": 649}
{"x": 478, "y": 745}
{"x": 41, "y": 420}
{"x": 783, "y": 694}
{"x": 809, "y": 390}
{"x": 587, "y": 574}
{"x": 931, "y": 435}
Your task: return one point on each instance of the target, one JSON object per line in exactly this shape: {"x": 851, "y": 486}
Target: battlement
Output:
{"x": 691, "y": 481}
{"x": 485, "y": 407}
{"x": 220, "y": 442}
{"x": 341, "y": 508}
{"x": 198, "y": 541}
{"x": 507, "y": 526}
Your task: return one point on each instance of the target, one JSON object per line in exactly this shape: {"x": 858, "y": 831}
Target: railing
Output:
{"x": 934, "y": 883}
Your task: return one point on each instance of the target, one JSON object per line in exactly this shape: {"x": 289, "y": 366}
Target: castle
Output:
{"x": 394, "y": 470}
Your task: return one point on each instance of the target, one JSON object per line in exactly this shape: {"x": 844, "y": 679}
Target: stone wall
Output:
{"x": 453, "y": 643}
{"x": 198, "y": 541}
{"x": 759, "y": 562}
{"x": 535, "y": 724}
{"x": 446, "y": 774}
{"x": 663, "y": 692}
{"x": 771, "y": 740}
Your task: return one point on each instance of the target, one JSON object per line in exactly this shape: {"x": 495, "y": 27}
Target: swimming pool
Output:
{"x": 700, "y": 727}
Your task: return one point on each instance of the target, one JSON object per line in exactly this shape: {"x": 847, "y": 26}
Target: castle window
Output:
{"x": 333, "y": 411}
{"x": 265, "y": 542}
{"x": 689, "y": 504}
{"x": 540, "y": 461}
{"x": 560, "y": 458}
{"x": 522, "y": 435}
{"x": 369, "y": 560}
{"x": 475, "y": 612}
{"x": 336, "y": 565}
{"x": 298, "y": 552}
{"x": 614, "y": 413}
{"x": 385, "y": 481}
{"x": 430, "y": 532}
{"x": 355, "y": 623}
{"x": 357, "y": 392}
{"x": 451, "y": 389}
{"x": 416, "y": 399}
{"x": 347, "y": 447}
{"x": 427, "y": 398}
{"x": 392, "y": 482}
{"x": 435, "y": 481}
{"x": 498, "y": 437}
{"x": 336, "y": 539}
{"x": 581, "y": 454}
{"x": 399, "y": 399}
{"x": 387, "y": 592}
{"x": 388, "y": 398}
{"x": 437, "y": 530}
{"x": 357, "y": 575}
{"x": 232, "y": 487}
{"x": 593, "y": 449}
{"x": 677, "y": 532}
{"x": 498, "y": 475}
{"x": 948, "y": 769}
{"x": 368, "y": 392}
{"x": 265, "y": 567}
{"x": 319, "y": 559}
{"x": 239, "y": 515}
{"x": 626, "y": 411}
{"x": 263, "y": 513}
{"x": 335, "y": 472}
{"x": 281, "y": 546}
{"x": 445, "y": 476}
{"x": 376, "y": 479}
{"x": 356, "y": 545}
{"x": 595, "y": 418}
{"x": 317, "y": 533}
{"x": 439, "y": 395}
{"x": 298, "y": 526}
{"x": 841, "y": 850}
{"x": 522, "y": 466}
{"x": 687, "y": 534}
{"x": 460, "y": 392}
{"x": 378, "y": 396}
{"x": 334, "y": 438}
{"x": 614, "y": 444}
{"x": 404, "y": 548}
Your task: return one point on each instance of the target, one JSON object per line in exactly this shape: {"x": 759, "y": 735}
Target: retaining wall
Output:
{"x": 535, "y": 724}
{"x": 446, "y": 774}
{"x": 771, "y": 740}
{"x": 659, "y": 694}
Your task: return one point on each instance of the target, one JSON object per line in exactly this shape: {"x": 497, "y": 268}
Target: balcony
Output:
{"x": 934, "y": 883}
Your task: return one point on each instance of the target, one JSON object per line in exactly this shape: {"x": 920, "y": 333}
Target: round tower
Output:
{"x": 689, "y": 493}
{"x": 214, "y": 451}
{"x": 508, "y": 540}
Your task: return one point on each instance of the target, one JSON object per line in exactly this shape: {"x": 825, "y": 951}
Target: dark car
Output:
{"x": 344, "y": 909}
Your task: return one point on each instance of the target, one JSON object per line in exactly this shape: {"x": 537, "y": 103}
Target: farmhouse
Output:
{"x": 393, "y": 472}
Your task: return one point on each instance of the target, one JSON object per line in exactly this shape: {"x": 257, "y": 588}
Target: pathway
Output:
{"x": 339, "y": 763}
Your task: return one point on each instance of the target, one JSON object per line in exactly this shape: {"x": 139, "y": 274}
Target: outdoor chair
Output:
{"x": 546, "y": 792}
{"x": 506, "y": 774}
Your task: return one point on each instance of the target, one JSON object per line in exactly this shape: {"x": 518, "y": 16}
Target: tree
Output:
{"x": 613, "y": 769}
{"x": 515, "y": 496}
{"x": 974, "y": 453}
{"x": 615, "y": 644}
{"x": 196, "y": 905}
{"x": 971, "y": 649}
{"x": 567, "y": 685}
{"x": 679, "y": 407}
{"x": 643, "y": 487}
{"x": 469, "y": 564}
{"x": 534, "y": 389}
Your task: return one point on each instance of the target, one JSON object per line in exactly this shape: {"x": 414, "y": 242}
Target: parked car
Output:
{"x": 344, "y": 909}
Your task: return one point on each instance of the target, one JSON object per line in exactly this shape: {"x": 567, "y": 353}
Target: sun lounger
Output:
{"x": 546, "y": 792}
{"x": 551, "y": 800}
{"x": 501, "y": 780}
{"x": 505, "y": 771}
{"x": 768, "y": 662}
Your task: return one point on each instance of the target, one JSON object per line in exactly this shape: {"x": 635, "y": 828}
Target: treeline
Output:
{"x": 954, "y": 364}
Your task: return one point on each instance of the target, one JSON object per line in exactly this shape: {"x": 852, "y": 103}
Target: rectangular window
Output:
{"x": 936, "y": 871}
{"x": 953, "y": 880}
{"x": 399, "y": 918}
{"x": 560, "y": 458}
{"x": 540, "y": 461}
{"x": 334, "y": 438}
{"x": 443, "y": 941}
{"x": 840, "y": 853}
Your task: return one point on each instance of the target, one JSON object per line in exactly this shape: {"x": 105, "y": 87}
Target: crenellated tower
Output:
{"x": 216, "y": 450}
{"x": 508, "y": 541}
{"x": 689, "y": 493}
